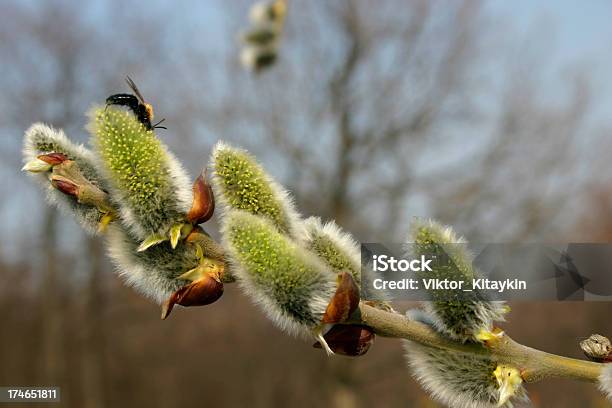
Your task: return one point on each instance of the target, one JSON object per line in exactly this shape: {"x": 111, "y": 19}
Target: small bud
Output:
{"x": 348, "y": 340}
{"x": 201, "y": 292}
{"x": 44, "y": 162}
{"x": 68, "y": 178}
{"x": 49, "y": 150}
{"x": 509, "y": 381}
{"x": 53, "y": 158}
{"x": 203, "y": 205}
{"x": 597, "y": 348}
{"x": 37, "y": 166}
{"x": 65, "y": 186}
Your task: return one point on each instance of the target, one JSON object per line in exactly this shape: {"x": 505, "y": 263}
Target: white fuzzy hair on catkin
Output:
{"x": 40, "y": 133}
{"x": 605, "y": 381}
{"x": 454, "y": 379}
{"x": 282, "y": 196}
{"x": 179, "y": 182}
{"x": 318, "y": 296}
{"x": 147, "y": 280}
{"x": 313, "y": 226}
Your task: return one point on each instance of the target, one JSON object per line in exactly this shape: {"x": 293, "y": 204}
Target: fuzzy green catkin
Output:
{"x": 290, "y": 284}
{"x": 241, "y": 183}
{"x": 147, "y": 182}
{"x": 605, "y": 381}
{"x": 152, "y": 272}
{"x": 341, "y": 253}
{"x": 42, "y": 139}
{"x": 457, "y": 380}
{"x": 333, "y": 246}
{"x": 261, "y": 41}
{"x": 460, "y": 315}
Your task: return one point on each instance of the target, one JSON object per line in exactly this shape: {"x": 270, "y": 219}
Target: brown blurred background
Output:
{"x": 493, "y": 117}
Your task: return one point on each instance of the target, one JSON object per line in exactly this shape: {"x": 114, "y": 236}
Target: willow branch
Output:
{"x": 535, "y": 365}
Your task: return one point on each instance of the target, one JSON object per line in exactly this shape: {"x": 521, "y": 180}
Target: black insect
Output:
{"x": 142, "y": 110}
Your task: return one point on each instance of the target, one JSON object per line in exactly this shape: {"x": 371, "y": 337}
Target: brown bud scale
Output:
{"x": 65, "y": 186}
{"x": 198, "y": 293}
{"x": 345, "y": 300}
{"x": 353, "y": 340}
{"x": 203, "y": 205}
{"x": 53, "y": 158}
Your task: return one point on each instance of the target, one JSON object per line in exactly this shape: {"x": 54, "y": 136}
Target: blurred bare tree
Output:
{"x": 366, "y": 86}
{"x": 380, "y": 111}
{"x": 48, "y": 90}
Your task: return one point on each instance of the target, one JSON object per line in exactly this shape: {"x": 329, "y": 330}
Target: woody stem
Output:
{"x": 535, "y": 365}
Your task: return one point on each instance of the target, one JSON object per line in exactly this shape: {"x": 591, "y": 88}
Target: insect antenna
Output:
{"x": 156, "y": 126}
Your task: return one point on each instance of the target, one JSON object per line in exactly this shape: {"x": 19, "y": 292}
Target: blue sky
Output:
{"x": 580, "y": 33}
{"x": 582, "y": 28}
